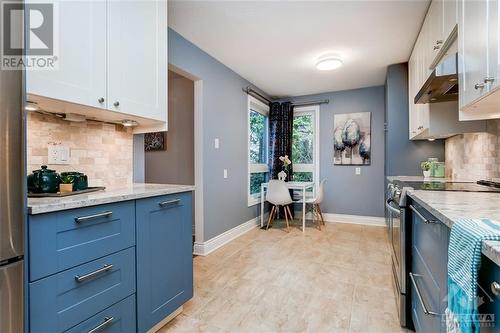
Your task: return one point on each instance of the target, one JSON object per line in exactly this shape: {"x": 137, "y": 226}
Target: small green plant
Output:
{"x": 66, "y": 180}
{"x": 425, "y": 166}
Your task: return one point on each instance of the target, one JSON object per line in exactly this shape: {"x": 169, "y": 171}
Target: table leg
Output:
{"x": 303, "y": 209}
{"x": 261, "y": 206}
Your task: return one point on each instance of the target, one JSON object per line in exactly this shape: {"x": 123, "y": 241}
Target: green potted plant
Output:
{"x": 426, "y": 168}
{"x": 66, "y": 184}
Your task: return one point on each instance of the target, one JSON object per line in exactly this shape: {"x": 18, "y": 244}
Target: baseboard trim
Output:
{"x": 355, "y": 219}
{"x": 205, "y": 248}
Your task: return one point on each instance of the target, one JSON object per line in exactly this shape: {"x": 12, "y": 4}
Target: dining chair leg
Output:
{"x": 321, "y": 215}
{"x": 270, "y": 216}
{"x": 316, "y": 212}
{"x": 286, "y": 218}
{"x": 289, "y": 213}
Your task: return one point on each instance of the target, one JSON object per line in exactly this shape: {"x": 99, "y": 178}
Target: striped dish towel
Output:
{"x": 464, "y": 260}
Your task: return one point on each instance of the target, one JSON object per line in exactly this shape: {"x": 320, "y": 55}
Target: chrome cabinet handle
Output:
{"x": 92, "y": 217}
{"x": 101, "y": 100}
{"x": 169, "y": 203}
{"x": 421, "y": 300}
{"x": 104, "y": 269}
{"x": 426, "y": 221}
{"x": 107, "y": 321}
{"x": 437, "y": 47}
{"x": 479, "y": 86}
{"x": 116, "y": 104}
{"x": 439, "y": 41}
{"x": 390, "y": 208}
{"x": 489, "y": 79}
{"x": 495, "y": 288}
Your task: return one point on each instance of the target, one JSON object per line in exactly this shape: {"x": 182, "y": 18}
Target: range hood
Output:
{"x": 442, "y": 84}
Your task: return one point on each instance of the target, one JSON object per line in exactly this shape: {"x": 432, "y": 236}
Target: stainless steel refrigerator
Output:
{"x": 12, "y": 198}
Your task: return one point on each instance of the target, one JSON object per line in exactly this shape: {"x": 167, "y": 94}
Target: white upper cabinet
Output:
{"x": 450, "y": 16}
{"x": 472, "y": 45}
{"x": 479, "y": 59}
{"x": 137, "y": 58}
{"x": 112, "y": 63}
{"x": 81, "y": 76}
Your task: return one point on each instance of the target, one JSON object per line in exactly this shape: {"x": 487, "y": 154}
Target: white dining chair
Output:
{"x": 278, "y": 195}
{"x": 315, "y": 202}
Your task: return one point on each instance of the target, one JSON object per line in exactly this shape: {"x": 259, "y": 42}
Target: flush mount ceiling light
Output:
{"x": 328, "y": 63}
{"x": 31, "y": 106}
{"x": 129, "y": 123}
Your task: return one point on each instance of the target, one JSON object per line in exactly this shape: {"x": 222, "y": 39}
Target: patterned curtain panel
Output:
{"x": 280, "y": 137}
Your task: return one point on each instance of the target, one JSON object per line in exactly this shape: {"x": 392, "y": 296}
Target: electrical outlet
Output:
{"x": 58, "y": 154}
{"x": 225, "y": 173}
{"x": 358, "y": 171}
{"x": 216, "y": 143}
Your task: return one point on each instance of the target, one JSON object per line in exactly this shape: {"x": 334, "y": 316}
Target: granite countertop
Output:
{"x": 421, "y": 179}
{"x": 448, "y": 206}
{"x": 109, "y": 195}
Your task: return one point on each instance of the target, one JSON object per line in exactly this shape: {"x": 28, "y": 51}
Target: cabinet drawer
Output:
{"x": 61, "y": 301}
{"x": 61, "y": 240}
{"x": 431, "y": 241}
{"x": 117, "y": 318}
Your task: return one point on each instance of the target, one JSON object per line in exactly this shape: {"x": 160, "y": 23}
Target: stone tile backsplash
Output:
{"x": 474, "y": 156}
{"x": 102, "y": 151}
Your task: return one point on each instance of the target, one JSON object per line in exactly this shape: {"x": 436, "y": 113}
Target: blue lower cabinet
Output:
{"x": 489, "y": 296}
{"x": 428, "y": 275}
{"x": 61, "y": 301}
{"x": 164, "y": 257}
{"x": 118, "y": 318}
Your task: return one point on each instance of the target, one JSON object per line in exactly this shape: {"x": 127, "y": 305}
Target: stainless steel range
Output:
{"x": 398, "y": 220}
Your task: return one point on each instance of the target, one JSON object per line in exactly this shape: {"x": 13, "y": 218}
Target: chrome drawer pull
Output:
{"x": 495, "y": 288}
{"x": 169, "y": 203}
{"x": 107, "y": 321}
{"x": 427, "y": 312}
{"x": 82, "y": 278}
{"x": 426, "y": 221}
{"x": 92, "y": 217}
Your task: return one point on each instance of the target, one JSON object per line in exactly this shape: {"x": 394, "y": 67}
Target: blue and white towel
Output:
{"x": 464, "y": 260}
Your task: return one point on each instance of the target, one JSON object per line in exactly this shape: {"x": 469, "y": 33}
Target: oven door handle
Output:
{"x": 390, "y": 208}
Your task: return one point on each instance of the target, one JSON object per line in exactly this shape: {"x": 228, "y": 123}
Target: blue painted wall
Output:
{"x": 224, "y": 117}
{"x": 345, "y": 192}
{"x": 403, "y": 156}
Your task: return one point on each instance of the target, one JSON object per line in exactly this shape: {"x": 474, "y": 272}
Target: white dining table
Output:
{"x": 302, "y": 186}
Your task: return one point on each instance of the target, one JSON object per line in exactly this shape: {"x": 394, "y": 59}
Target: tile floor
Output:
{"x": 335, "y": 280}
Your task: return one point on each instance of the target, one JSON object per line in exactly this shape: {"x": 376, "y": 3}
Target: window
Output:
{"x": 305, "y": 147}
{"x": 258, "y": 171}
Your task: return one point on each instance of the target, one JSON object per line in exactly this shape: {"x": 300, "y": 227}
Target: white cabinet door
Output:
{"x": 137, "y": 58}
{"x": 450, "y": 17}
{"x": 472, "y": 46}
{"x": 81, "y": 76}
{"x": 435, "y": 29}
{"x": 493, "y": 45}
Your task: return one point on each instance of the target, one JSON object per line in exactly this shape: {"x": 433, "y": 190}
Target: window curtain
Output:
{"x": 280, "y": 142}
{"x": 280, "y": 137}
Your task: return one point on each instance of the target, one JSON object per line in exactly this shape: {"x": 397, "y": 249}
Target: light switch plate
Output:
{"x": 216, "y": 143}
{"x": 225, "y": 173}
{"x": 358, "y": 171}
{"x": 58, "y": 154}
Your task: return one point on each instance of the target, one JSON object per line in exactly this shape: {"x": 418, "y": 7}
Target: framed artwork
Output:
{"x": 351, "y": 138}
{"x": 155, "y": 141}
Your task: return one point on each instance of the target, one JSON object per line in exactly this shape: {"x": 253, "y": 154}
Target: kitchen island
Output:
{"x": 118, "y": 259}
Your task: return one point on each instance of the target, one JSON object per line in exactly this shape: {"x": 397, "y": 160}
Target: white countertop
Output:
{"x": 448, "y": 206}
{"x": 109, "y": 195}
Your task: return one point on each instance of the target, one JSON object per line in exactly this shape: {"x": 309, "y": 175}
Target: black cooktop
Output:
{"x": 451, "y": 186}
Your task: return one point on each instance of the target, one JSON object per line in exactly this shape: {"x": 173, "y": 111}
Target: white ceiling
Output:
{"x": 275, "y": 44}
